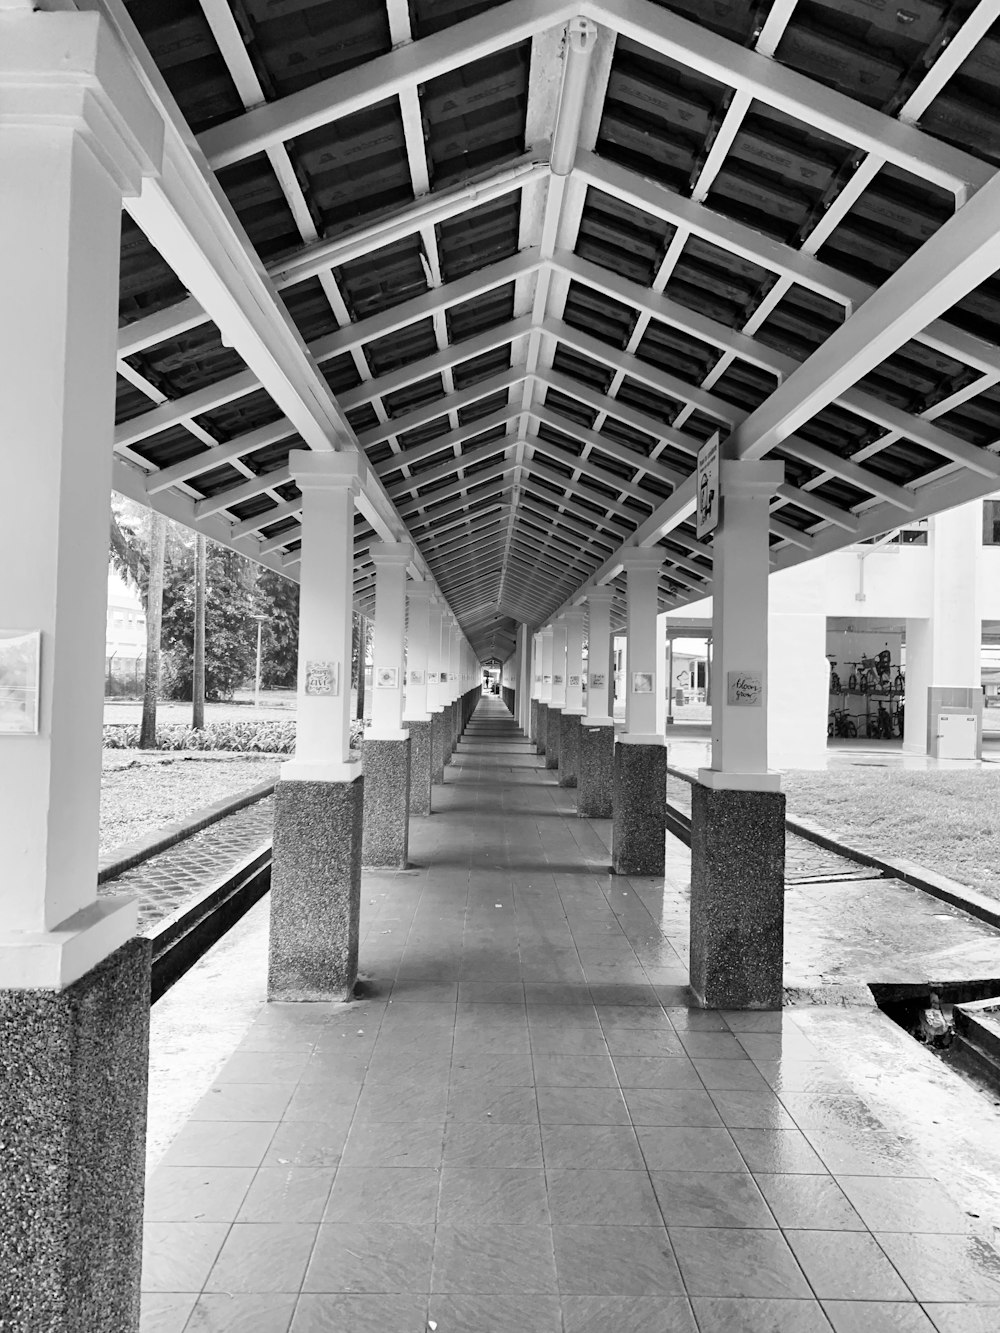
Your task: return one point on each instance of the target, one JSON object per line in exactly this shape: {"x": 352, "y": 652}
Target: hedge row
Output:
{"x": 248, "y": 737}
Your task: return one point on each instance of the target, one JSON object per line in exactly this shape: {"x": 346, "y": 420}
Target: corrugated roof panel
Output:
{"x": 479, "y": 236}
{"x": 622, "y": 238}
{"x": 659, "y": 406}
{"x": 241, "y": 415}
{"x": 569, "y": 407}
{"x": 481, "y": 313}
{"x": 477, "y": 368}
{"x": 261, "y": 206}
{"x": 357, "y": 166}
{"x": 146, "y": 283}
{"x": 592, "y": 373}
{"x": 181, "y": 43}
{"x": 309, "y": 307}
{"x": 965, "y": 112}
{"x": 413, "y": 396}
{"x": 483, "y": 407}
{"x": 401, "y": 348}
{"x": 474, "y": 116}
{"x": 384, "y": 278}
{"x": 677, "y": 352}
{"x": 300, "y": 42}
{"x": 599, "y": 315}
{"x": 188, "y": 361}
{"x": 175, "y": 445}
{"x": 340, "y": 373}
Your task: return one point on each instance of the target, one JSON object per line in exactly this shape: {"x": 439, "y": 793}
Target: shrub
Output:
{"x": 246, "y": 737}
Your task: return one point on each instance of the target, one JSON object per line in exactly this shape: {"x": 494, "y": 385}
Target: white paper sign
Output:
{"x": 745, "y": 689}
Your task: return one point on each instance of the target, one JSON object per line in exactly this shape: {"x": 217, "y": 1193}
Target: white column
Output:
{"x": 663, "y": 679}
{"x": 418, "y": 601}
{"x": 599, "y": 680}
{"x": 434, "y": 698}
{"x": 644, "y": 668}
{"x": 328, "y": 482}
{"x": 559, "y": 664}
{"x": 77, "y": 133}
{"x": 454, "y": 660}
{"x": 523, "y": 681}
{"x": 536, "y": 666}
{"x": 546, "y": 645}
{"x": 391, "y": 560}
{"x": 574, "y": 662}
{"x": 739, "y": 629}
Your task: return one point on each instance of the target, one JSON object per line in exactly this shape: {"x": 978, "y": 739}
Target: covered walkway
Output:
{"x": 523, "y": 1125}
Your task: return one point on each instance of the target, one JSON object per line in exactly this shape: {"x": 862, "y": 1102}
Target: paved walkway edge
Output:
{"x": 160, "y": 840}
{"x": 917, "y": 876}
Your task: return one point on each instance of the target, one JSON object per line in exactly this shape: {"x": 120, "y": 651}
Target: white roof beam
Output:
{"x": 407, "y": 457}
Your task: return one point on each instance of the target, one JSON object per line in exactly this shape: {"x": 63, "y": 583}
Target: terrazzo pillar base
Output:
{"x": 315, "y": 890}
{"x": 73, "y": 1086}
{"x": 638, "y": 839}
{"x": 595, "y": 771}
{"x": 542, "y": 724}
{"x": 737, "y": 897}
{"x": 386, "y": 820}
{"x": 553, "y": 727}
{"x": 457, "y": 722}
{"x": 533, "y": 722}
{"x": 421, "y": 767}
{"x": 437, "y": 746}
{"x": 569, "y": 749}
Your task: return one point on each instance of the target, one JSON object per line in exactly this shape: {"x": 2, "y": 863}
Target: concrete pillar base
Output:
{"x": 595, "y": 772}
{"x": 438, "y": 757}
{"x": 737, "y": 898}
{"x": 553, "y": 729}
{"x": 386, "y": 821}
{"x": 73, "y": 1081}
{"x": 638, "y": 839}
{"x": 569, "y": 749}
{"x": 542, "y": 724}
{"x": 421, "y": 767}
{"x": 315, "y": 890}
{"x": 533, "y": 722}
{"x": 447, "y": 733}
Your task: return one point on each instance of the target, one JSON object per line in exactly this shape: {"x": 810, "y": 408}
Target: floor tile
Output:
{"x": 808, "y": 1202}
{"x": 710, "y": 1199}
{"x": 493, "y": 1102}
{"x": 359, "y": 1314}
{"x": 830, "y": 1110}
{"x": 229, "y": 1312}
{"x": 481, "y": 1196}
{"x": 196, "y": 1193}
{"x": 729, "y": 1315}
{"x": 645, "y": 1071}
{"x": 896, "y": 1203}
{"x": 287, "y": 1194}
{"x": 713, "y": 1046}
{"x": 615, "y": 1261}
{"x": 657, "y": 1042}
{"x": 752, "y": 1110}
{"x": 391, "y": 1102}
{"x": 177, "y": 1256}
{"x": 306, "y": 1143}
{"x": 846, "y": 1266}
{"x": 165, "y": 1312}
{"x": 264, "y": 1067}
{"x": 581, "y": 1106}
{"x": 602, "y": 1197}
{"x": 379, "y": 1144}
{"x": 782, "y": 1151}
{"x": 877, "y": 1317}
{"x": 864, "y": 1153}
{"x": 370, "y": 1256}
{"x": 575, "y": 1071}
{"x": 945, "y": 1268}
{"x": 269, "y": 1256}
{"x": 730, "y": 1262}
{"x": 479, "y": 1069}
{"x": 568, "y": 1041}
{"x": 244, "y": 1101}
{"x": 498, "y": 1314}
{"x": 670, "y": 1106}
{"x": 627, "y": 1314}
{"x": 475, "y": 1144}
{"x": 210, "y": 1143}
{"x": 493, "y": 1260}
{"x": 393, "y": 1194}
{"x": 610, "y": 1147}
{"x": 729, "y": 1075}
{"x": 963, "y": 1318}
{"x": 670, "y": 1148}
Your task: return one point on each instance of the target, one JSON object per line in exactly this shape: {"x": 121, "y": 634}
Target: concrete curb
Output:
{"x": 160, "y": 840}
{"x": 918, "y": 877}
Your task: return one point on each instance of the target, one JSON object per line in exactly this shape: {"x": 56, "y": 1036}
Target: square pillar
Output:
{"x": 522, "y": 682}
{"x": 455, "y": 682}
{"x": 77, "y": 135}
{"x": 416, "y": 715}
{"x": 436, "y": 691}
{"x": 573, "y": 710}
{"x": 544, "y": 689}
{"x": 738, "y": 811}
{"x": 595, "y": 767}
{"x": 535, "y": 676}
{"x": 557, "y": 703}
{"x": 318, "y": 804}
{"x": 385, "y": 838}
{"x": 640, "y": 771}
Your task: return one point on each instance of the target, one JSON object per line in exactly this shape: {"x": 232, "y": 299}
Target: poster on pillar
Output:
{"x": 708, "y": 487}
{"x": 20, "y": 669}
{"x": 745, "y": 689}
{"x": 387, "y": 678}
{"x": 322, "y": 677}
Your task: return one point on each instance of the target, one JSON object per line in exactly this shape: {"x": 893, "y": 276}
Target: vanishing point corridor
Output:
{"x": 522, "y": 1126}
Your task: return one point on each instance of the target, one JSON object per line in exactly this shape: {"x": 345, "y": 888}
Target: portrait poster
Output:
{"x": 20, "y": 680}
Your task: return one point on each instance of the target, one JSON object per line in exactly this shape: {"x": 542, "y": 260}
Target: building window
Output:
{"x": 991, "y": 522}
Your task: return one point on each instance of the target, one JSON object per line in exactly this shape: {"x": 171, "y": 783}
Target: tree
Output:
{"x": 278, "y": 599}
{"x": 361, "y": 642}
{"x": 230, "y": 631}
{"x": 154, "y": 611}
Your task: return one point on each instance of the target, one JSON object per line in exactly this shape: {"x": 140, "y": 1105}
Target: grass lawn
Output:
{"x": 141, "y": 790}
{"x": 946, "y": 820}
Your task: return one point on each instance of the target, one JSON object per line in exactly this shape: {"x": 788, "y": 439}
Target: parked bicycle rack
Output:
{"x": 878, "y": 681}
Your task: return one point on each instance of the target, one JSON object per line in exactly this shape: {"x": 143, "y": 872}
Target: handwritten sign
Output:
{"x": 745, "y": 689}
{"x": 557, "y": 680}
{"x": 596, "y": 680}
{"x": 322, "y": 678}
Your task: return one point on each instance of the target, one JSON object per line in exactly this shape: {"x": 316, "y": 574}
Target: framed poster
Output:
{"x": 20, "y": 676}
{"x": 642, "y": 682}
{"x": 444, "y": 677}
{"x": 387, "y": 678}
{"x": 596, "y": 680}
{"x": 574, "y": 682}
{"x": 322, "y": 677}
{"x": 416, "y": 678}
{"x": 557, "y": 680}
{"x": 707, "y": 512}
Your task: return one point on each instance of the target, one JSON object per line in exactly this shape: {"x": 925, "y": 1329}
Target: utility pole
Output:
{"x": 198, "y": 664}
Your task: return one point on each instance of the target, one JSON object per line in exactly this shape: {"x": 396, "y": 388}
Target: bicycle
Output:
{"x": 841, "y": 724}
{"x": 879, "y": 727}
{"x": 874, "y": 673}
{"x": 835, "y": 685}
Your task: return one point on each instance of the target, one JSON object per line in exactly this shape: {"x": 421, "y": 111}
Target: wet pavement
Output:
{"x": 525, "y": 1126}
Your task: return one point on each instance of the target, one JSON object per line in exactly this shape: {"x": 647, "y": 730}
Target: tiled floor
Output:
{"x": 525, "y": 1127}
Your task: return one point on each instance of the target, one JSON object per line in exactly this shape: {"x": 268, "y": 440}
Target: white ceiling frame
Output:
{"x": 381, "y": 79}
{"x": 567, "y": 523}
{"x": 584, "y": 463}
{"x": 286, "y": 509}
{"x": 613, "y": 448}
{"x": 241, "y": 447}
{"x": 247, "y": 490}
{"x": 429, "y": 448}
{"x": 450, "y": 467}
{"x": 414, "y": 511}
{"x": 421, "y": 416}
{"x": 496, "y": 497}
{"x": 558, "y": 533}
